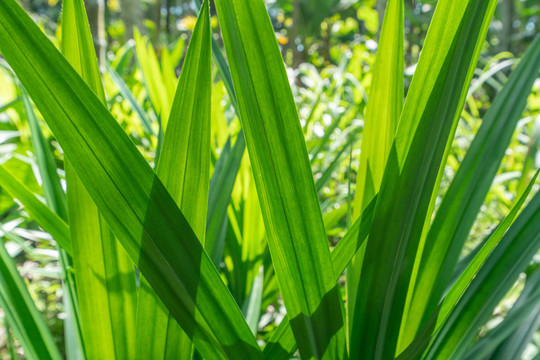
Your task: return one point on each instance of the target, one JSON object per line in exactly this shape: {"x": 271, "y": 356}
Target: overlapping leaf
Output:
{"x": 184, "y": 169}
{"x": 21, "y": 313}
{"x": 468, "y": 190}
{"x": 291, "y": 213}
{"x": 427, "y": 123}
{"x": 132, "y": 199}
{"x": 103, "y": 271}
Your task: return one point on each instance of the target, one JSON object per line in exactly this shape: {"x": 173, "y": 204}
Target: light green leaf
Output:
{"x": 103, "y": 271}
{"x": 184, "y": 169}
{"x": 153, "y": 78}
{"x": 55, "y": 198}
{"x": 43, "y": 215}
{"x": 278, "y": 155}
{"x": 382, "y": 115}
{"x": 282, "y": 345}
{"x": 130, "y": 196}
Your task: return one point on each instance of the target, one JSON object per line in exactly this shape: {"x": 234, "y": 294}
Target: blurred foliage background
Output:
{"x": 329, "y": 48}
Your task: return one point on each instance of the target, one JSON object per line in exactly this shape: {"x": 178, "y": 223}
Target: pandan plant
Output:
{"x": 135, "y": 241}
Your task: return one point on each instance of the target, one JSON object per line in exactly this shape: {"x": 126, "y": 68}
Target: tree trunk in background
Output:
{"x": 96, "y": 17}
{"x": 131, "y": 16}
{"x": 506, "y": 12}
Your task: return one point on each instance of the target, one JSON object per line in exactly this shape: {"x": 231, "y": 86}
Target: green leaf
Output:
{"x": 510, "y": 338}
{"x": 468, "y": 189}
{"x": 219, "y": 197}
{"x": 282, "y": 345}
{"x": 130, "y": 196}
{"x": 411, "y": 177}
{"x": 287, "y": 194}
{"x": 153, "y": 78}
{"x": 252, "y": 305}
{"x": 38, "y": 211}
{"x": 384, "y": 106}
{"x": 184, "y": 169}
{"x": 55, "y": 198}
{"x": 146, "y": 122}
{"x": 52, "y": 189}
{"x": 382, "y": 114}
{"x": 103, "y": 271}
{"x": 486, "y": 280}
{"x": 21, "y": 313}
{"x": 443, "y": 311}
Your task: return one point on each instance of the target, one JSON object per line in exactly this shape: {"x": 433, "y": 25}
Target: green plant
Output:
{"x": 124, "y": 220}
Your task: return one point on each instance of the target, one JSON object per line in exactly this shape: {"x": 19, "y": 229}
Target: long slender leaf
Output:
{"x": 21, "y": 313}
{"x": 45, "y": 217}
{"x": 184, "y": 168}
{"x": 486, "y": 286}
{"x": 282, "y": 345}
{"x": 468, "y": 190}
{"x": 55, "y": 198}
{"x": 382, "y": 115}
{"x": 292, "y": 216}
{"x": 219, "y": 197}
{"x": 445, "y": 309}
{"x": 52, "y": 189}
{"x": 103, "y": 271}
{"x": 130, "y": 196}
{"x": 428, "y": 121}
{"x": 511, "y": 336}
{"x": 153, "y": 78}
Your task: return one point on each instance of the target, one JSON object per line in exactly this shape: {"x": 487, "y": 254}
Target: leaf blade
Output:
{"x": 135, "y": 203}
{"x": 468, "y": 189}
{"x": 184, "y": 169}
{"x": 286, "y": 190}
{"x": 427, "y": 122}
